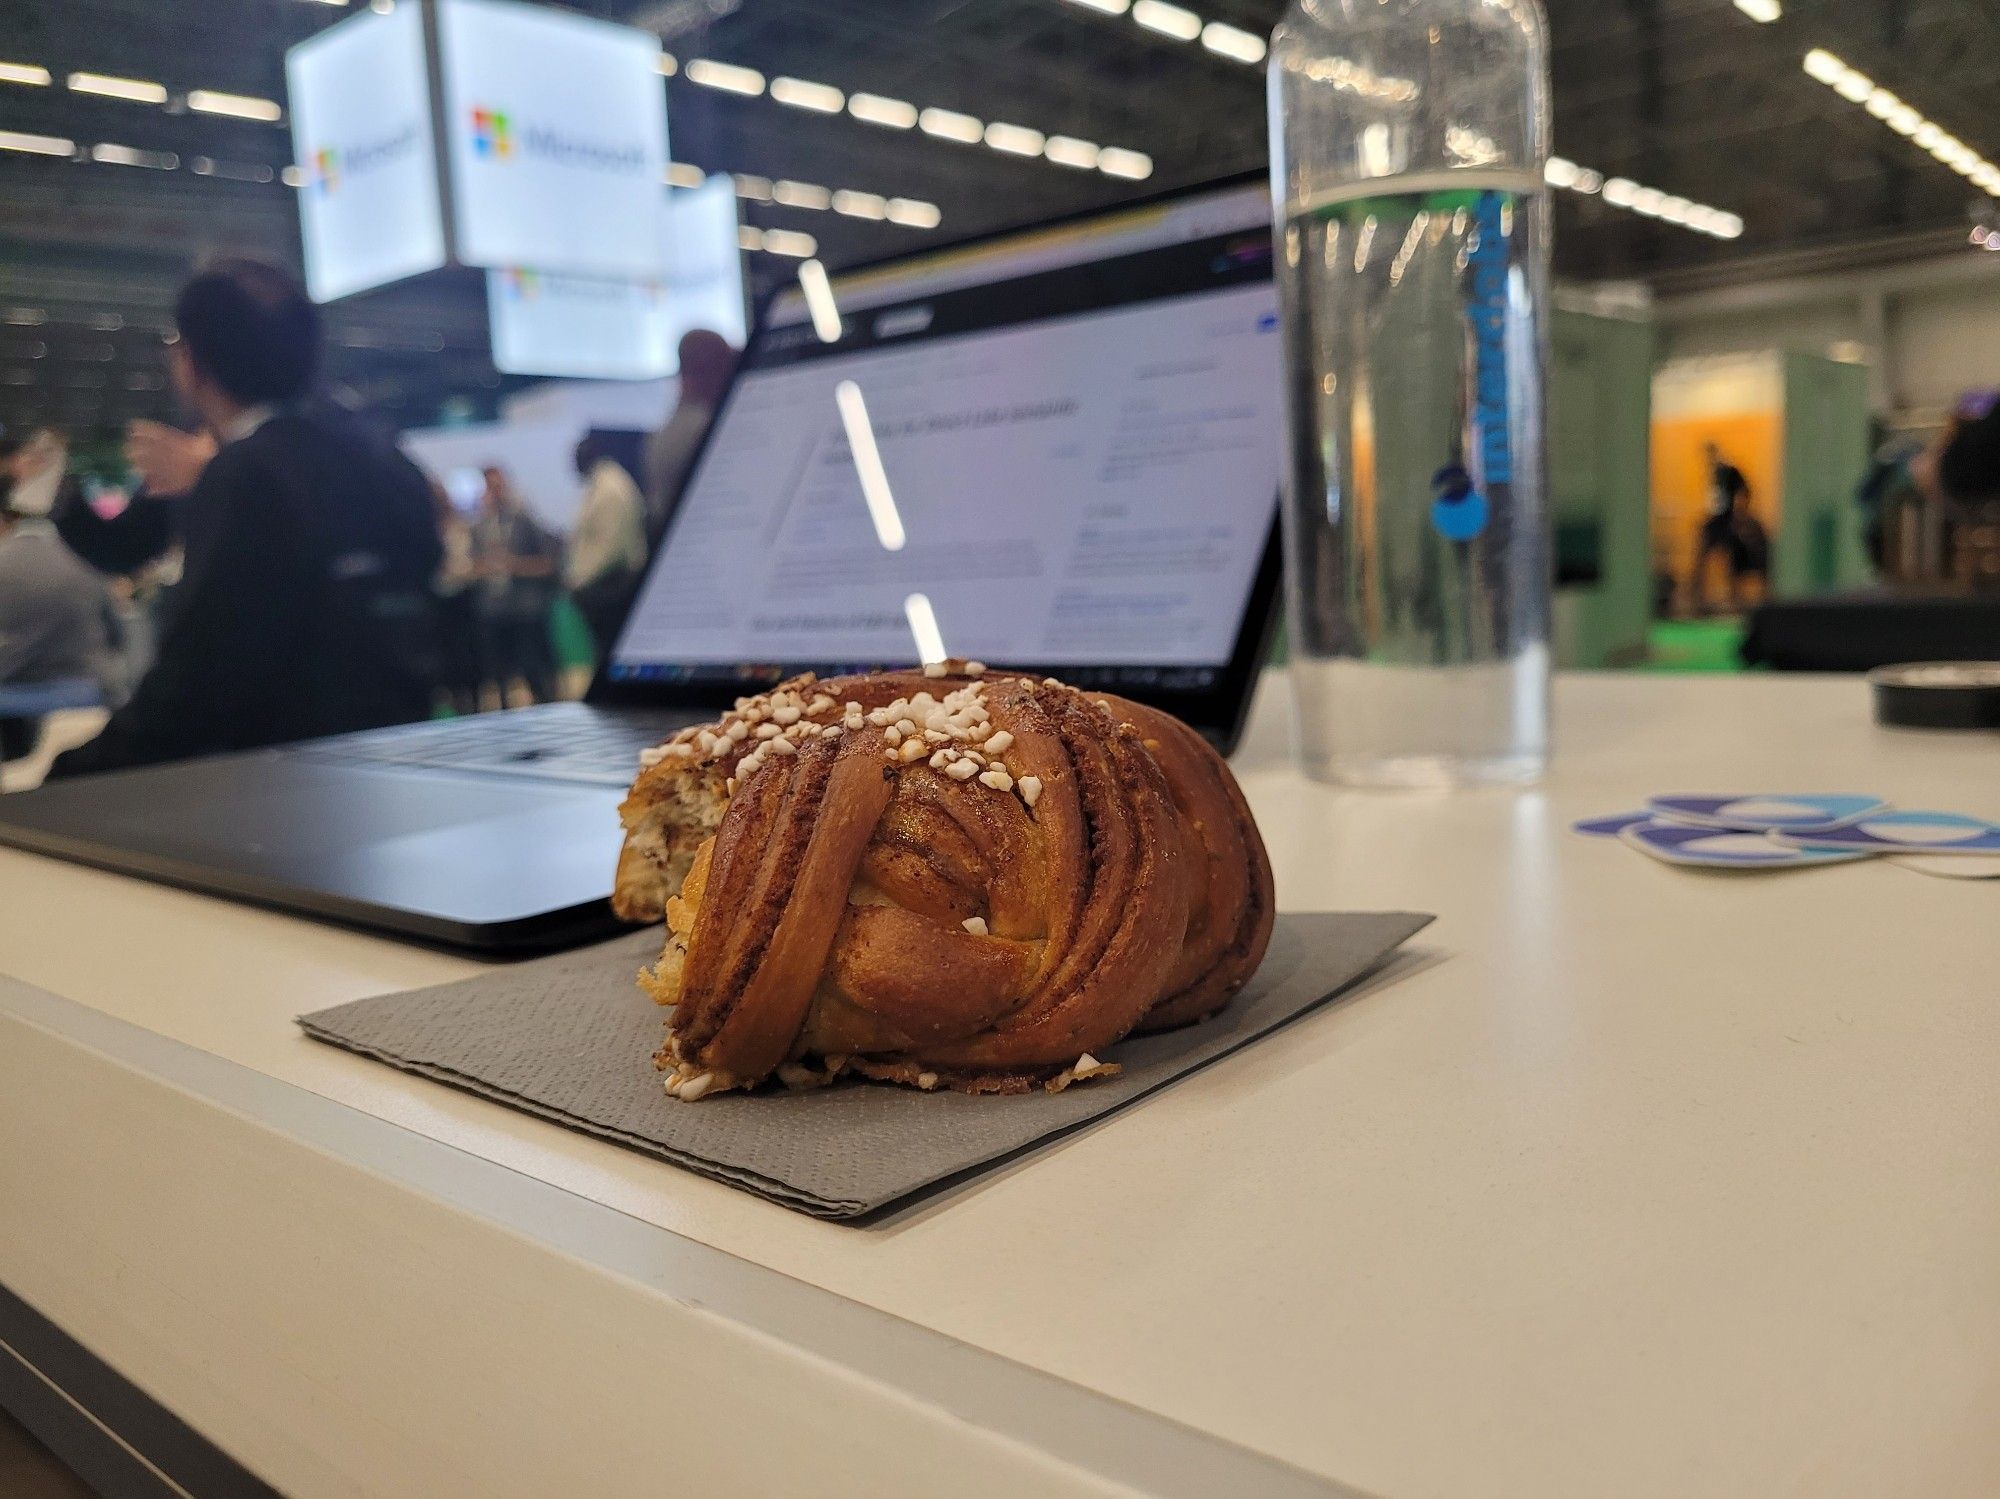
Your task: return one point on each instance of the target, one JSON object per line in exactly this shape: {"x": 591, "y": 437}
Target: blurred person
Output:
{"x": 515, "y": 561}
{"x": 1968, "y": 458}
{"x": 707, "y": 362}
{"x": 607, "y": 547}
{"x": 454, "y": 587}
{"x": 55, "y": 620}
{"x": 37, "y": 471}
{"x": 308, "y": 544}
{"x": 1886, "y": 487}
{"x": 1966, "y": 471}
{"x": 1728, "y": 505}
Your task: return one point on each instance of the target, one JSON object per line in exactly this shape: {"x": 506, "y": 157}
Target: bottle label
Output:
{"x": 1471, "y": 489}
{"x": 1488, "y": 259}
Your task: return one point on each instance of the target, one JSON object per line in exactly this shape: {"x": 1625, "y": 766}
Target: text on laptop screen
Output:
{"x": 1056, "y": 450}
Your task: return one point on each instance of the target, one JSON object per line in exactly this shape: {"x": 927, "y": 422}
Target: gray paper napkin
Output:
{"x": 571, "y": 1038}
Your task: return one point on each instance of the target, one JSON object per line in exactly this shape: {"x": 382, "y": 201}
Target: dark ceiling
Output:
{"x": 1690, "y": 96}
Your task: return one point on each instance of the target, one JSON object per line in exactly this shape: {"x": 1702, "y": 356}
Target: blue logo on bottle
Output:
{"x": 1457, "y": 509}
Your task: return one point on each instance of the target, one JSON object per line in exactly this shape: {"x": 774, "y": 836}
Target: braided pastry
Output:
{"x": 946, "y": 879}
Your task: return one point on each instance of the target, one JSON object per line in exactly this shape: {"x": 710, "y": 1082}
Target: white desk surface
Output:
{"x": 1647, "y": 1182}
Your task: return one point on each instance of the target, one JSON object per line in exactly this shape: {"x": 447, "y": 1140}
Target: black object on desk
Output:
{"x": 1938, "y": 695}
{"x": 1862, "y": 630}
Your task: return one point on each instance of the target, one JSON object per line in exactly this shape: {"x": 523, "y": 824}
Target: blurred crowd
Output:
{"x": 283, "y": 571}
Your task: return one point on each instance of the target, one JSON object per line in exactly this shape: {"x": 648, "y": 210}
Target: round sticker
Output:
{"x": 1457, "y": 509}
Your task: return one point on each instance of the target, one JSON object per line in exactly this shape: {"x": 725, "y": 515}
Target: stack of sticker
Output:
{"x": 1785, "y": 830}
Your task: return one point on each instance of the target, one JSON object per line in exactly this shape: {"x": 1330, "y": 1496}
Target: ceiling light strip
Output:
{"x": 209, "y": 101}
{"x": 36, "y": 145}
{"x": 1647, "y": 202}
{"x": 1180, "y": 24}
{"x": 1905, "y": 119}
{"x": 799, "y": 93}
{"x": 137, "y": 90}
{"x": 727, "y": 76}
{"x": 964, "y": 129}
{"x": 911, "y": 213}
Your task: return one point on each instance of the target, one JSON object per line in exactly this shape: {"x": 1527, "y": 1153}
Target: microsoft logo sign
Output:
{"x": 328, "y": 166}
{"x": 492, "y": 136}
{"x": 495, "y": 137}
{"x": 323, "y": 172}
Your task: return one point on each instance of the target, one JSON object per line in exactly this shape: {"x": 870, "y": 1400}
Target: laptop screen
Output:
{"x": 1058, "y": 449}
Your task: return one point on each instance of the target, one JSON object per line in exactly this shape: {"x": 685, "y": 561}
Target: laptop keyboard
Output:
{"x": 562, "y": 743}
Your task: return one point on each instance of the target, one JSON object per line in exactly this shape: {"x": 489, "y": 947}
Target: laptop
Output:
{"x": 1054, "y": 449}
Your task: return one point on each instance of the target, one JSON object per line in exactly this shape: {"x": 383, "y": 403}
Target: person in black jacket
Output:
{"x": 302, "y": 608}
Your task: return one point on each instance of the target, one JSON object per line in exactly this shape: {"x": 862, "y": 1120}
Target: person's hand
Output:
{"x": 167, "y": 460}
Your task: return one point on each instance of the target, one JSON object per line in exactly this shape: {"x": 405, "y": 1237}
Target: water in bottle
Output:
{"x": 1408, "y": 139}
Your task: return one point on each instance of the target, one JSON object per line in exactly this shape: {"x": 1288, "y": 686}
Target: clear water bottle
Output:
{"x": 1408, "y": 139}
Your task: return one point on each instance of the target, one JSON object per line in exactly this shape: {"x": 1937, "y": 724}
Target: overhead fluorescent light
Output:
{"x": 231, "y": 171}
{"x": 790, "y": 242}
{"x": 24, "y": 73}
{"x": 756, "y": 189}
{"x": 914, "y": 213}
{"x": 1233, "y": 42}
{"x": 1764, "y": 11}
{"x": 1116, "y": 161}
{"x": 1016, "y": 140}
{"x": 1169, "y": 20}
{"x": 113, "y": 154}
{"x": 292, "y": 177}
{"x": 749, "y": 237}
{"x": 36, "y": 145}
{"x": 1105, "y": 7}
{"x": 24, "y": 317}
{"x": 1900, "y": 116}
{"x": 801, "y": 93}
{"x": 801, "y": 194}
{"x": 667, "y": 65}
{"x": 1651, "y": 202}
{"x": 684, "y": 174}
{"x": 858, "y": 205}
{"x": 950, "y": 125}
{"x": 238, "y": 106}
{"x": 897, "y": 114}
{"x": 138, "y": 90}
{"x": 727, "y": 76}
{"x": 1069, "y": 151}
